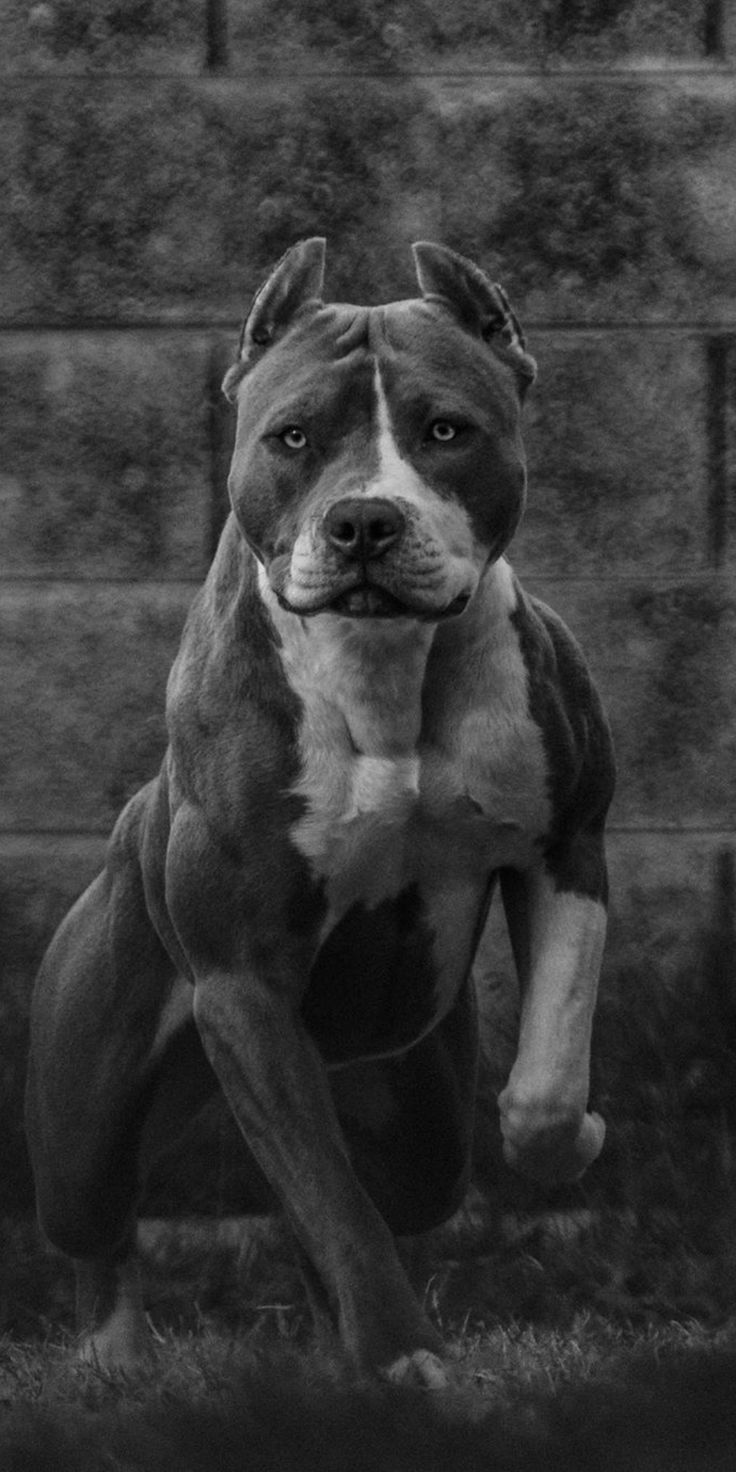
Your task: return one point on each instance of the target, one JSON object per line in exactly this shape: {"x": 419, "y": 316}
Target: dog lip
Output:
{"x": 360, "y": 600}
{"x": 369, "y": 600}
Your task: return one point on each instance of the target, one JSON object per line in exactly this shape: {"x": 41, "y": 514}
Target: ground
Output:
{"x": 578, "y": 1338}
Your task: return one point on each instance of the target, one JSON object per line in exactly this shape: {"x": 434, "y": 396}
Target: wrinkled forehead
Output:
{"x": 417, "y": 348}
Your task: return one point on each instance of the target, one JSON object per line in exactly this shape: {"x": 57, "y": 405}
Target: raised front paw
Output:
{"x": 548, "y": 1141}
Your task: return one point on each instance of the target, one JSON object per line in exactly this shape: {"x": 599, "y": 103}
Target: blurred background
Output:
{"x": 157, "y": 156}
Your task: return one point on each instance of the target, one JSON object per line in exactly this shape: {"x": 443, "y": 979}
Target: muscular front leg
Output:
{"x": 249, "y": 962}
{"x": 557, "y": 937}
{"x": 277, "y": 1087}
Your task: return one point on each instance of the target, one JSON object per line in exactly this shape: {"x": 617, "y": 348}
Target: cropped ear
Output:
{"x": 294, "y": 283}
{"x": 480, "y": 305}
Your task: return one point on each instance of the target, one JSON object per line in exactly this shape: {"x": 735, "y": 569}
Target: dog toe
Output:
{"x": 421, "y": 1368}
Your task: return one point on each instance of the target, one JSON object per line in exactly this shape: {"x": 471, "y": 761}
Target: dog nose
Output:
{"x": 362, "y": 529}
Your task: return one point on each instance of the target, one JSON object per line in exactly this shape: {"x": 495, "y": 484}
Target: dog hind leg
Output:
{"x": 109, "y": 1310}
{"x": 95, "y": 1018}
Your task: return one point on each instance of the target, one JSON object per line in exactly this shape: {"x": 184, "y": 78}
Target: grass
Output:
{"x": 585, "y": 1338}
{"x": 597, "y": 1393}
{"x": 593, "y": 1398}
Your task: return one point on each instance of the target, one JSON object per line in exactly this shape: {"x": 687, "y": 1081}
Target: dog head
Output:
{"x": 378, "y": 464}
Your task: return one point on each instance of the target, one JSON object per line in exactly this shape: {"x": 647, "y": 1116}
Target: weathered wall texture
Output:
{"x": 156, "y": 158}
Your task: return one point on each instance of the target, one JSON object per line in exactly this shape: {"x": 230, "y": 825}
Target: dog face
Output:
{"x": 378, "y": 464}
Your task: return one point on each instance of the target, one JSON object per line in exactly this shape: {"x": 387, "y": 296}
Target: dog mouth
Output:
{"x": 367, "y": 600}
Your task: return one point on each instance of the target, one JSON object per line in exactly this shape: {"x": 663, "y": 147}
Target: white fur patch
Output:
{"x": 446, "y": 520}
{"x": 546, "y": 1129}
{"x": 567, "y": 934}
{"x": 360, "y": 682}
{"x": 446, "y": 527}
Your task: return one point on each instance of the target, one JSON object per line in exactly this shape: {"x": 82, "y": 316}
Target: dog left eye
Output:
{"x": 443, "y": 431}
{"x": 294, "y": 438}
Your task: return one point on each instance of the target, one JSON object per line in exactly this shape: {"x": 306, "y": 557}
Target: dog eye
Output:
{"x": 443, "y": 431}
{"x": 294, "y": 438}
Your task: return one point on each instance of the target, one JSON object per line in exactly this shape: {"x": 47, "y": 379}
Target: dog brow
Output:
{"x": 355, "y": 334}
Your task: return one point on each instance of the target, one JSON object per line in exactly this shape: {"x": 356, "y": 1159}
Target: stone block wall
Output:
{"x": 157, "y": 157}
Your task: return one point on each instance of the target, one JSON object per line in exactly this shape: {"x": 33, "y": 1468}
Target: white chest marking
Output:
{"x": 360, "y": 769}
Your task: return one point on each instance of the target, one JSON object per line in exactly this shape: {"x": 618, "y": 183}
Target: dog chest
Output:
{"x": 421, "y": 774}
{"x": 406, "y": 869}
{"x": 374, "y": 825}
{"x": 417, "y": 766}
{"x": 406, "y": 848}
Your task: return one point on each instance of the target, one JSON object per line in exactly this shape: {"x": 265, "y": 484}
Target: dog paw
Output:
{"x": 551, "y": 1149}
{"x": 115, "y": 1349}
{"x": 421, "y": 1369}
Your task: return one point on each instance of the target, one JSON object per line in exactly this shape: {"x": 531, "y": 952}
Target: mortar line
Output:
{"x": 717, "y": 348}
{"x": 220, "y": 441}
{"x": 613, "y": 830}
{"x": 714, "y": 39}
{"x": 702, "y": 327}
{"x": 217, "y": 50}
{"x": 669, "y": 70}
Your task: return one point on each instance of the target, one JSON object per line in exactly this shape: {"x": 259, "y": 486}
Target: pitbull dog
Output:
{"x": 369, "y": 724}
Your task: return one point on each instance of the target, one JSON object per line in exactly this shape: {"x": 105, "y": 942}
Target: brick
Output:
{"x": 290, "y": 34}
{"x": 62, "y": 35}
{"x": 105, "y": 461}
{"x": 590, "y": 201}
{"x": 595, "y": 200}
{"x": 84, "y": 673}
{"x": 662, "y": 899}
{"x": 115, "y": 199}
{"x": 615, "y": 430}
{"x": 662, "y": 656}
{"x": 728, "y": 31}
{"x": 128, "y": 201}
{"x": 358, "y": 165}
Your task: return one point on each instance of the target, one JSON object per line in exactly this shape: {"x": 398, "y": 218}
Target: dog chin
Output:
{"x": 370, "y": 601}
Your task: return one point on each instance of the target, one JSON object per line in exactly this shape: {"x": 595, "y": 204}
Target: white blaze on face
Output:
{"x": 441, "y": 526}
{"x": 396, "y": 478}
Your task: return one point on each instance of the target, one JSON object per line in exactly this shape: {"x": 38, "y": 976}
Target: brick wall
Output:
{"x": 157, "y": 158}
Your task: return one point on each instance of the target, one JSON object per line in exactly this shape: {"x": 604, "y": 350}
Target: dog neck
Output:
{"x": 365, "y": 674}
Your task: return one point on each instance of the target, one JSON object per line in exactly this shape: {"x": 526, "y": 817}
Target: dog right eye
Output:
{"x": 294, "y": 438}
{"x": 443, "y": 431}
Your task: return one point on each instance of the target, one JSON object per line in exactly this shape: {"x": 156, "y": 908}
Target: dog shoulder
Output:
{"x": 232, "y": 716}
{"x": 565, "y": 704}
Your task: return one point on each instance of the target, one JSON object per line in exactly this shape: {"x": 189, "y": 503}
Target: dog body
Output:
{"x": 370, "y": 723}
